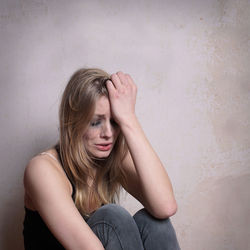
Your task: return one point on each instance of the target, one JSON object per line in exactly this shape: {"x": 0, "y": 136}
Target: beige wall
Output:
{"x": 190, "y": 60}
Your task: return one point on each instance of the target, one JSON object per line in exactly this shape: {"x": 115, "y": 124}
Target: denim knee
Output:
{"x": 147, "y": 222}
{"x": 115, "y": 227}
{"x": 112, "y": 214}
{"x": 157, "y": 232}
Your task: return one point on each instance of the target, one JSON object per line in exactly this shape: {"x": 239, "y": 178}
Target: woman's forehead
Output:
{"x": 102, "y": 106}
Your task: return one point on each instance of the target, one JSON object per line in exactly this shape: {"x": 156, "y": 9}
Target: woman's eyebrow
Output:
{"x": 99, "y": 115}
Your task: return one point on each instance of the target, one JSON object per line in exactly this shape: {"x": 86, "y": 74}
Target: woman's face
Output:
{"x": 102, "y": 132}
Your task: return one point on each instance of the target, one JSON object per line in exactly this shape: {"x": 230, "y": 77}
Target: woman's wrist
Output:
{"x": 129, "y": 122}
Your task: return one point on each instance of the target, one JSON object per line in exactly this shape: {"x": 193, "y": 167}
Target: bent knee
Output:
{"x": 113, "y": 213}
{"x": 114, "y": 210}
{"x": 146, "y": 222}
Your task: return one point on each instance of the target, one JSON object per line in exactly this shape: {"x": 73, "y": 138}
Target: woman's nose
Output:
{"x": 107, "y": 130}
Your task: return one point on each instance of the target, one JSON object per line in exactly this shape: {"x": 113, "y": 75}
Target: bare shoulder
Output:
{"x": 38, "y": 166}
{"x": 43, "y": 172}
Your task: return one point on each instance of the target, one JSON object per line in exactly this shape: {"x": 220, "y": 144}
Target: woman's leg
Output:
{"x": 115, "y": 228}
{"x": 156, "y": 234}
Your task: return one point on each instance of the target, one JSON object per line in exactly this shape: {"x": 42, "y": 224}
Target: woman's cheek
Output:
{"x": 89, "y": 136}
{"x": 93, "y": 134}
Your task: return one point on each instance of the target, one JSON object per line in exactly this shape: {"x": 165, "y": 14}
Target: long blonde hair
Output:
{"x": 76, "y": 111}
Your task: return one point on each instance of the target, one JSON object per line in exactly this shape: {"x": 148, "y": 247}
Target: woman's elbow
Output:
{"x": 171, "y": 210}
{"x": 166, "y": 211}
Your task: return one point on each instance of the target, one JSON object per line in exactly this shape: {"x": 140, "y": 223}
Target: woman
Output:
{"x": 71, "y": 189}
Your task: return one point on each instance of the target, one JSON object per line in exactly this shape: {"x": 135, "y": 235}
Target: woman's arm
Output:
{"x": 51, "y": 196}
{"x": 147, "y": 179}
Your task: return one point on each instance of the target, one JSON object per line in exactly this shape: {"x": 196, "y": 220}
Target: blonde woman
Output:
{"x": 71, "y": 189}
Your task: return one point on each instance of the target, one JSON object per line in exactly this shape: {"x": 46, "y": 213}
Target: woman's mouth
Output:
{"x": 104, "y": 146}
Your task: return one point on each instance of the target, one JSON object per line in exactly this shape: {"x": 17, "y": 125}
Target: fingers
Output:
{"x": 120, "y": 83}
{"x": 110, "y": 86}
{"x": 129, "y": 79}
{"x": 116, "y": 81}
{"x": 131, "y": 82}
{"x": 120, "y": 79}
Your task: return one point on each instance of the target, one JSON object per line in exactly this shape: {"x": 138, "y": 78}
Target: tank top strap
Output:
{"x": 57, "y": 148}
{"x": 50, "y": 155}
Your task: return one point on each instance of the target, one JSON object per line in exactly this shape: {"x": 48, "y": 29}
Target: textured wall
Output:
{"x": 190, "y": 60}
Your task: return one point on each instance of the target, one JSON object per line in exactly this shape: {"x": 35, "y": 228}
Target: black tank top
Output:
{"x": 36, "y": 234}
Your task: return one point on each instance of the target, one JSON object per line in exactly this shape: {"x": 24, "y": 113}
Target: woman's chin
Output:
{"x": 101, "y": 154}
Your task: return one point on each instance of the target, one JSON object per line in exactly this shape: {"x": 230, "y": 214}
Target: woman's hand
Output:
{"x": 122, "y": 96}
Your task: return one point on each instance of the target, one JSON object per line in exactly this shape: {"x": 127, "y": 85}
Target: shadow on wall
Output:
{"x": 12, "y": 219}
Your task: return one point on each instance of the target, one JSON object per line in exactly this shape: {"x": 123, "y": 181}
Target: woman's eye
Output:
{"x": 113, "y": 123}
{"x": 95, "y": 123}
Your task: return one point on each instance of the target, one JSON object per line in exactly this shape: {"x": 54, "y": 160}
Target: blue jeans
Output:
{"x": 117, "y": 229}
